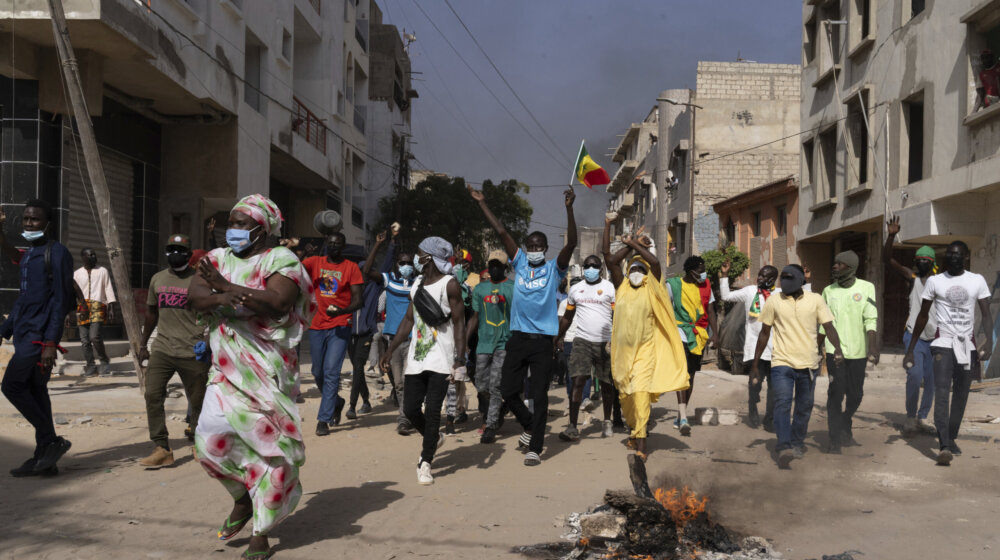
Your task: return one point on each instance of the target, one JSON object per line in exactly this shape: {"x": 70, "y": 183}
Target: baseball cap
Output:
{"x": 498, "y": 255}
{"x": 179, "y": 240}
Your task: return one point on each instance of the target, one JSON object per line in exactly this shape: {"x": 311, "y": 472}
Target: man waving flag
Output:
{"x": 588, "y": 172}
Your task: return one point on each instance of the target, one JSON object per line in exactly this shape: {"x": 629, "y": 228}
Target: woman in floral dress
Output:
{"x": 256, "y": 302}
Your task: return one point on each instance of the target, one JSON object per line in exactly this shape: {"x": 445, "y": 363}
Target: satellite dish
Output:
{"x": 327, "y": 222}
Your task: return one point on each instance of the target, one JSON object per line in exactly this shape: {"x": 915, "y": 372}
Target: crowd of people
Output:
{"x": 230, "y": 322}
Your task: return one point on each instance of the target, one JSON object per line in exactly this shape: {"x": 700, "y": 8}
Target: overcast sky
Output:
{"x": 585, "y": 68}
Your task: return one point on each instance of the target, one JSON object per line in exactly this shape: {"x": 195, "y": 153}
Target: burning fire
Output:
{"x": 683, "y": 505}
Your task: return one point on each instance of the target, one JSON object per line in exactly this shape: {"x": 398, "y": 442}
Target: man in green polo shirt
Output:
{"x": 852, "y": 302}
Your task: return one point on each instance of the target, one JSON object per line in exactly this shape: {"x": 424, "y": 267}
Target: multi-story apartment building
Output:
{"x": 195, "y": 104}
{"x": 897, "y": 120}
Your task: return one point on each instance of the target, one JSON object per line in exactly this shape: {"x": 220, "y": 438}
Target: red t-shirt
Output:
{"x": 332, "y": 283}
{"x": 989, "y": 80}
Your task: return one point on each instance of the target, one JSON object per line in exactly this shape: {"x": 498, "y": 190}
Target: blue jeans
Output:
{"x": 328, "y": 348}
{"x": 921, "y": 372}
{"x": 792, "y": 385}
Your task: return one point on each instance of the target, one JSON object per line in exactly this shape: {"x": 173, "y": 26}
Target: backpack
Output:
{"x": 69, "y": 298}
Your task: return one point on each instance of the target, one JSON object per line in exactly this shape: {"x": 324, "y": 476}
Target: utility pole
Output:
{"x": 98, "y": 183}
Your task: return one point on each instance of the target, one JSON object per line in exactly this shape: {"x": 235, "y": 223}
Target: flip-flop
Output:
{"x": 229, "y": 525}
{"x": 261, "y": 555}
{"x": 642, "y": 456}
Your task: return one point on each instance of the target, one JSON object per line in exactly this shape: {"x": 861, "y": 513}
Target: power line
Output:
{"x": 510, "y": 87}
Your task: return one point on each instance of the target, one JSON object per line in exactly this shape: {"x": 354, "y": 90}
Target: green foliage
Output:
{"x": 737, "y": 259}
{"x": 442, "y": 206}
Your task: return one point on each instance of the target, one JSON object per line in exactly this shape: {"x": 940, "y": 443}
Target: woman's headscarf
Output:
{"x": 262, "y": 210}
{"x": 440, "y": 250}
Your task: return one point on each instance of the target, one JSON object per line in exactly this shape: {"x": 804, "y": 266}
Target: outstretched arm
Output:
{"x": 567, "y": 251}
{"x": 509, "y": 244}
{"x": 366, "y": 272}
{"x": 887, "y": 260}
{"x": 612, "y": 261}
{"x": 643, "y": 249}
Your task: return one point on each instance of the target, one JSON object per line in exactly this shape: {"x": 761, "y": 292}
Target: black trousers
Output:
{"x": 948, "y": 374}
{"x": 764, "y": 368}
{"x": 25, "y": 384}
{"x": 528, "y": 352}
{"x": 847, "y": 383}
{"x": 358, "y": 349}
{"x": 427, "y": 389}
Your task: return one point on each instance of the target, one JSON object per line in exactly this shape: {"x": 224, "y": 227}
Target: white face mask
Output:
{"x": 535, "y": 257}
{"x": 636, "y": 278}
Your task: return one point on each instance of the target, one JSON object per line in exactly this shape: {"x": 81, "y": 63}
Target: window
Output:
{"x": 286, "y": 44}
{"x": 830, "y": 38}
{"x": 826, "y": 185}
{"x": 857, "y": 132}
{"x": 807, "y": 162}
{"x": 253, "y": 60}
{"x": 357, "y": 217}
{"x": 333, "y": 202}
{"x": 912, "y": 145}
{"x": 730, "y": 232}
{"x": 983, "y": 47}
{"x": 809, "y": 40}
{"x": 861, "y": 25}
{"x": 916, "y": 7}
{"x": 755, "y": 224}
{"x": 781, "y": 220}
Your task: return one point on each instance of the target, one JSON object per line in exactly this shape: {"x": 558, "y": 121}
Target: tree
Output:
{"x": 738, "y": 261}
{"x": 441, "y": 206}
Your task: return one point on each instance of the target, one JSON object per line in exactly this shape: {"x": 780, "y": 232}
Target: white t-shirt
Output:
{"x": 594, "y": 304}
{"x": 571, "y": 331}
{"x": 753, "y": 324}
{"x": 955, "y": 299}
{"x": 431, "y": 348}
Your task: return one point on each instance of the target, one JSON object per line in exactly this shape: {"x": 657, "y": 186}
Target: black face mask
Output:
{"x": 924, "y": 267}
{"x": 91, "y": 262}
{"x": 497, "y": 271}
{"x": 954, "y": 263}
{"x": 765, "y": 285}
{"x": 178, "y": 261}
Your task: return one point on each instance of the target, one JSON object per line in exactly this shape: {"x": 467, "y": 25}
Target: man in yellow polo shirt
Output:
{"x": 794, "y": 316}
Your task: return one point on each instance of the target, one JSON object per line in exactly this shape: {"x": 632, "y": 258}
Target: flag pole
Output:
{"x": 575, "y": 163}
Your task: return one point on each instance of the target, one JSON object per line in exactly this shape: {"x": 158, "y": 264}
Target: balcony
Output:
{"x": 309, "y": 126}
{"x": 623, "y": 176}
{"x": 361, "y": 33}
{"x": 624, "y": 204}
{"x": 360, "y": 113}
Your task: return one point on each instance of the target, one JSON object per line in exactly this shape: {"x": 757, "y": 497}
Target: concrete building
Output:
{"x": 195, "y": 103}
{"x": 894, "y": 126}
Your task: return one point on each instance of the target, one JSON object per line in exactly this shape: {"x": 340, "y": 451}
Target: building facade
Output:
{"x": 897, "y": 121}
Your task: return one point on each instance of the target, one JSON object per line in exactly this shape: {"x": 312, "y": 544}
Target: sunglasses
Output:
{"x": 592, "y": 265}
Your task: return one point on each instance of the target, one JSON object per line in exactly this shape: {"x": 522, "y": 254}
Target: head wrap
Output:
{"x": 637, "y": 260}
{"x": 262, "y": 210}
{"x": 440, "y": 250}
{"x": 795, "y": 283}
{"x": 926, "y": 252}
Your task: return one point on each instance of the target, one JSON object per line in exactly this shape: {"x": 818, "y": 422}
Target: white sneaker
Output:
{"x": 424, "y": 477}
{"x": 587, "y": 405}
{"x": 925, "y": 427}
{"x": 609, "y": 430}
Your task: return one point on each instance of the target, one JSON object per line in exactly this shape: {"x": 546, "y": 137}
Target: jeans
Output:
{"x": 764, "y": 368}
{"x": 489, "y": 368}
{"x": 328, "y": 348}
{"x": 526, "y": 351}
{"x": 397, "y": 363}
{"x": 792, "y": 385}
{"x": 843, "y": 397}
{"x": 25, "y": 384}
{"x": 360, "y": 347}
{"x": 922, "y": 372}
{"x": 948, "y": 374}
{"x": 194, "y": 376}
{"x": 430, "y": 387}
{"x": 91, "y": 340}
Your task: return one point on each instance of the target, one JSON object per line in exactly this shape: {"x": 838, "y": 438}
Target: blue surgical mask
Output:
{"x": 703, "y": 277}
{"x": 591, "y": 274}
{"x": 418, "y": 264}
{"x": 535, "y": 257}
{"x": 406, "y": 271}
{"x": 239, "y": 239}
{"x": 33, "y": 235}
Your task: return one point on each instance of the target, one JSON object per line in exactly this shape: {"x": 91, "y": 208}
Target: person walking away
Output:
{"x": 490, "y": 323}
{"x": 99, "y": 296}
{"x": 953, "y": 296}
{"x": 435, "y": 320}
{"x": 256, "y": 303}
{"x": 397, "y": 284}
{"x": 177, "y": 333}
{"x": 647, "y": 355}
{"x": 922, "y": 373}
{"x": 753, "y": 299}
{"x": 534, "y": 323}
{"x": 35, "y": 323}
{"x": 852, "y": 302}
{"x": 337, "y": 286}
{"x": 794, "y": 315}
{"x": 694, "y": 309}
{"x": 593, "y": 300}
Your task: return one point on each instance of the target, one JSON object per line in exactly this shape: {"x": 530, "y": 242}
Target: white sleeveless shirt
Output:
{"x": 431, "y": 348}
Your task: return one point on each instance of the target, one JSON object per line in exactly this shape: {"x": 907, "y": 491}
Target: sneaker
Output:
{"x": 351, "y": 414}
{"x": 104, "y": 370}
{"x": 834, "y": 448}
{"x": 365, "y": 408}
{"x": 944, "y": 457}
{"x": 609, "y": 431}
{"x": 322, "y": 429}
{"x": 926, "y": 427}
{"x": 449, "y": 427}
{"x": 532, "y": 459}
{"x": 785, "y": 458}
{"x": 52, "y": 453}
{"x": 489, "y": 436}
{"x": 570, "y": 434}
{"x": 424, "y": 477}
{"x": 684, "y": 427}
{"x": 403, "y": 429}
{"x": 160, "y": 457}
{"x": 462, "y": 418}
{"x": 677, "y": 423}
{"x": 440, "y": 440}
{"x": 588, "y": 404}
{"x": 799, "y": 452}
{"x": 338, "y": 410}
{"x": 955, "y": 449}
{"x": 523, "y": 442}
{"x": 28, "y": 469}
{"x": 910, "y": 426}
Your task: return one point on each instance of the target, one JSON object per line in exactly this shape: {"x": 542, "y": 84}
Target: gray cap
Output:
{"x": 327, "y": 222}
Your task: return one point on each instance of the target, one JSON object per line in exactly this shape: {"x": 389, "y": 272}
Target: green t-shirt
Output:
{"x": 177, "y": 330}
{"x": 854, "y": 314}
{"x": 492, "y": 303}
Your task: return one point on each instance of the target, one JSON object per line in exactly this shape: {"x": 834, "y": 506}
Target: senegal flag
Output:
{"x": 587, "y": 170}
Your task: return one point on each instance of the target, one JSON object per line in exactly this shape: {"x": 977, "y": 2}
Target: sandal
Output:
{"x": 642, "y": 456}
{"x": 630, "y": 443}
{"x": 232, "y": 528}
{"x": 260, "y": 555}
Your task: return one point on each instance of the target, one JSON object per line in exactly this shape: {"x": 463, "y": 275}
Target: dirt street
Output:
{"x": 885, "y": 498}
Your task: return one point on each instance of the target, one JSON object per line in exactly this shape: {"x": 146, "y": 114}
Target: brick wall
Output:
{"x": 744, "y": 80}
{"x": 729, "y": 176}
